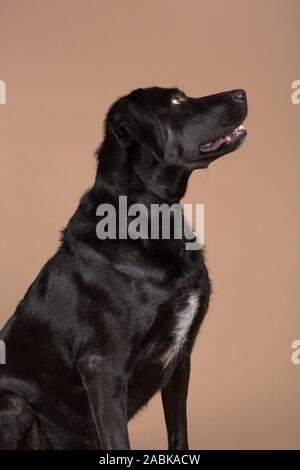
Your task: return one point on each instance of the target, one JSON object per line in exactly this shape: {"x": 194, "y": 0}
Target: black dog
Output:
{"x": 107, "y": 323}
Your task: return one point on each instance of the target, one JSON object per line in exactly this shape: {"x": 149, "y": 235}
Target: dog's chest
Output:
{"x": 165, "y": 316}
{"x": 183, "y": 317}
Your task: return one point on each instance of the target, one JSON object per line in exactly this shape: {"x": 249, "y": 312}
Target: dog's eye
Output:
{"x": 178, "y": 99}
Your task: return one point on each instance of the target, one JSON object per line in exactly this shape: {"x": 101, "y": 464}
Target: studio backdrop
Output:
{"x": 62, "y": 63}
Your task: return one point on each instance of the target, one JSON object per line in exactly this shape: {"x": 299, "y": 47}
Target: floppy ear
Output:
{"x": 136, "y": 121}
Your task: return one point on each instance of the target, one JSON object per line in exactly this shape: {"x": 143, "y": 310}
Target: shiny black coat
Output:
{"x": 84, "y": 345}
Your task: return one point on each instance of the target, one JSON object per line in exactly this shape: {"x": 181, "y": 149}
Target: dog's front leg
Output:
{"x": 174, "y": 396}
{"x": 107, "y": 397}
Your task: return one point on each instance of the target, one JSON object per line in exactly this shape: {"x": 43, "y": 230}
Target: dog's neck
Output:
{"x": 152, "y": 182}
{"x": 135, "y": 173}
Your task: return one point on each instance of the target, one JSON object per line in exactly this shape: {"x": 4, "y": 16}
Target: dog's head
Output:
{"x": 165, "y": 133}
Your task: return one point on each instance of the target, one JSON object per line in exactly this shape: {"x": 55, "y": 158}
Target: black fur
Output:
{"x": 84, "y": 345}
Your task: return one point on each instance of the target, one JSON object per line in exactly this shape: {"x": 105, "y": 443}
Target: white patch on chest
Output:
{"x": 184, "y": 319}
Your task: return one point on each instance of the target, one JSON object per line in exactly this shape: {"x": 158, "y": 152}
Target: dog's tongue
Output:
{"x": 213, "y": 145}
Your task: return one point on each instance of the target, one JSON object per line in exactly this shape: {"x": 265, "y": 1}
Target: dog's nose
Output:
{"x": 239, "y": 95}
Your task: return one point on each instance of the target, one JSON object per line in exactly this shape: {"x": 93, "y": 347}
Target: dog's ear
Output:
{"x": 134, "y": 121}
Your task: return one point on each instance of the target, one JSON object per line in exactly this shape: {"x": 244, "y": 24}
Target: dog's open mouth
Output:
{"x": 229, "y": 139}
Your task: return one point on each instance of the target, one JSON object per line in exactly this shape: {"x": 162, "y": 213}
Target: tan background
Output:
{"x": 64, "y": 62}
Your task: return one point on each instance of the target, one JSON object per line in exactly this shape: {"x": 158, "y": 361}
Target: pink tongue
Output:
{"x": 214, "y": 145}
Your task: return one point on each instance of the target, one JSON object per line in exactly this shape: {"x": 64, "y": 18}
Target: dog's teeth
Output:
{"x": 241, "y": 128}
